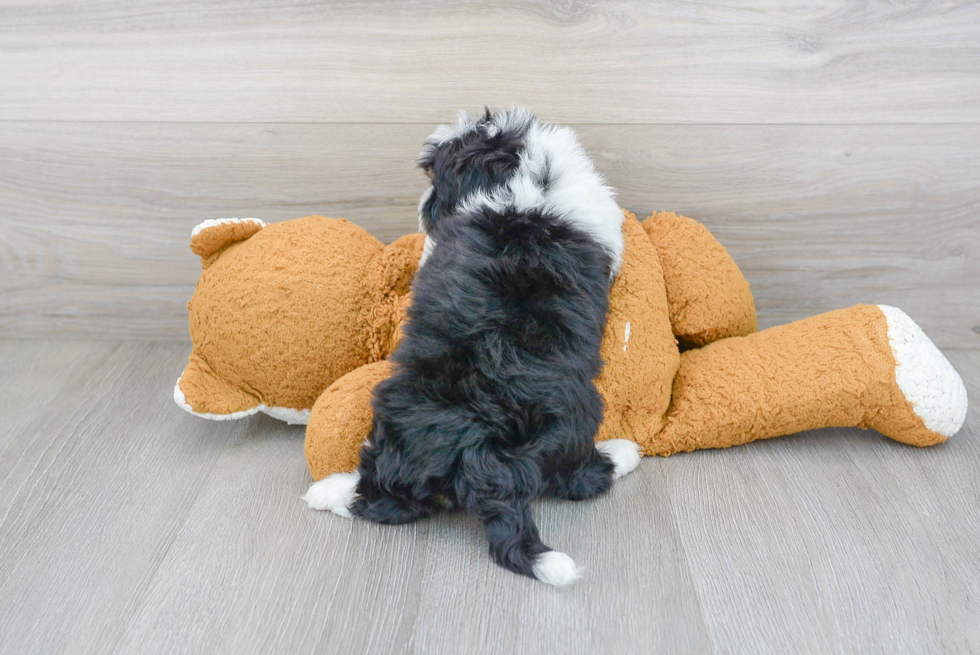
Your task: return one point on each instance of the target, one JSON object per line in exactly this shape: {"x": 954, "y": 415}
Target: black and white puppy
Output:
{"x": 492, "y": 401}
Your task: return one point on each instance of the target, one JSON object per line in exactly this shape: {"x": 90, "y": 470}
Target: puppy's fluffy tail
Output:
{"x": 515, "y": 545}
{"x": 499, "y": 493}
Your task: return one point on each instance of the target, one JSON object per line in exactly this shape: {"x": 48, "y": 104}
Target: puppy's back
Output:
{"x": 492, "y": 395}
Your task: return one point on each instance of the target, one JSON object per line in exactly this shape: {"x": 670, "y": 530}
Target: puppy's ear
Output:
{"x": 442, "y": 135}
{"x": 427, "y": 158}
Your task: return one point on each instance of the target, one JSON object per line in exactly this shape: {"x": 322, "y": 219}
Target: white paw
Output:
{"x": 556, "y": 568}
{"x": 925, "y": 376}
{"x": 625, "y": 455}
{"x": 334, "y": 492}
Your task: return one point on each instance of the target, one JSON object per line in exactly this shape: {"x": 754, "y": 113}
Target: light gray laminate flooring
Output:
{"x": 129, "y": 526}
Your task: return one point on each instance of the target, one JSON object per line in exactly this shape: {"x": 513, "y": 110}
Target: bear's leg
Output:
{"x": 865, "y": 366}
{"x": 709, "y": 298}
{"x": 341, "y": 421}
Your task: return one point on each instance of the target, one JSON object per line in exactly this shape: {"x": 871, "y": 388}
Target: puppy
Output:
{"x": 492, "y": 401}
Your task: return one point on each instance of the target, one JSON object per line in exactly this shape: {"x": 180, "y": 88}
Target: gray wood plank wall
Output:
{"x": 834, "y": 149}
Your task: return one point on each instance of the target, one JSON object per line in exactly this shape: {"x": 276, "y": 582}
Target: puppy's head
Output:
{"x": 469, "y": 157}
{"x": 509, "y": 159}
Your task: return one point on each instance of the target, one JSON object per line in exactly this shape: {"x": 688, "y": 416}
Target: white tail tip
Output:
{"x": 334, "y": 492}
{"x": 625, "y": 455}
{"x": 556, "y": 569}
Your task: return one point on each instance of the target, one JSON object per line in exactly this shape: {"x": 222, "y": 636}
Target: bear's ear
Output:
{"x": 209, "y": 238}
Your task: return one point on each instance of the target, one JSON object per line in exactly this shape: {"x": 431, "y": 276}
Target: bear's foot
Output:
{"x": 931, "y": 388}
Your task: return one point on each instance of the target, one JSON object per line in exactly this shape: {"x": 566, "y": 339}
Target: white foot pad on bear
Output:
{"x": 334, "y": 492}
{"x": 925, "y": 376}
{"x": 625, "y": 455}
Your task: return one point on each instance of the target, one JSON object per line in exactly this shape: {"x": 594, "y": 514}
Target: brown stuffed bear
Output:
{"x": 296, "y": 320}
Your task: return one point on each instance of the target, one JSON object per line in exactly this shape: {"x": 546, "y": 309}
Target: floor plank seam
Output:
{"x": 34, "y": 476}
{"x": 139, "y": 598}
{"x": 315, "y": 648}
{"x": 687, "y": 558}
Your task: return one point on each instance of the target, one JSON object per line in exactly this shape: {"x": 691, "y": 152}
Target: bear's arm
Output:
{"x": 709, "y": 298}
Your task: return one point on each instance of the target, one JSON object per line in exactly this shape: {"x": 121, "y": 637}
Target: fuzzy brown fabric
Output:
{"x": 635, "y": 381}
{"x": 341, "y": 421}
{"x": 709, "y": 298}
{"x": 302, "y": 314}
{"x": 639, "y": 360}
{"x": 281, "y": 313}
{"x": 833, "y": 369}
{"x": 210, "y": 242}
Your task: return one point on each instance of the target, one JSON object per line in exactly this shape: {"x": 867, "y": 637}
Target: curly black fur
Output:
{"x": 492, "y": 401}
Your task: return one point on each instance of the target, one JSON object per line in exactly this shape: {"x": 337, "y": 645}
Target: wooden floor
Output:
{"x": 129, "y": 526}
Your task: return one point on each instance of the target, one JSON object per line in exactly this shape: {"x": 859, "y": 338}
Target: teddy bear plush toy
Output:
{"x": 296, "y": 319}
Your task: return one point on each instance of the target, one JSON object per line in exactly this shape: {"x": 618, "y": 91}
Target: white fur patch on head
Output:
{"x": 556, "y": 569}
{"x": 214, "y": 222}
{"x": 495, "y": 201}
{"x": 335, "y": 493}
{"x": 557, "y": 176}
{"x": 513, "y": 120}
{"x": 576, "y": 190}
{"x": 926, "y": 378}
{"x": 624, "y": 454}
